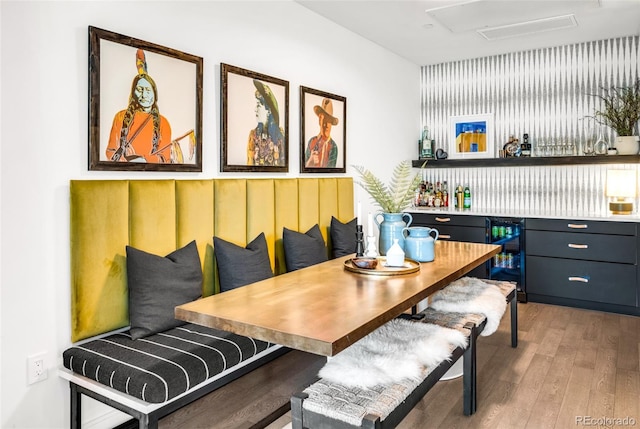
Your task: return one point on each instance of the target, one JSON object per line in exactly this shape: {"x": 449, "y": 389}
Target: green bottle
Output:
{"x": 467, "y": 197}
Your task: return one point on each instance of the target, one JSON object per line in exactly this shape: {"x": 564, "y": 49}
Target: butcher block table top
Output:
{"x": 323, "y": 309}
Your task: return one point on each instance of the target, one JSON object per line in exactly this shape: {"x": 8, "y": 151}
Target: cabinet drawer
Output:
{"x": 589, "y": 281}
{"x": 434, "y": 219}
{"x": 579, "y": 226}
{"x": 593, "y": 247}
{"x": 460, "y": 233}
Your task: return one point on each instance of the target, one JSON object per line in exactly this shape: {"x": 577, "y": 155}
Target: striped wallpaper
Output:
{"x": 545, "y": 93}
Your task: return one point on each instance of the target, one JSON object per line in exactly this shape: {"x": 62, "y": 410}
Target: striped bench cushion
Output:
{"x": 162, "y": 366}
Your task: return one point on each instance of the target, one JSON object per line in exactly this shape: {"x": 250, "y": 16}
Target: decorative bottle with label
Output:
{"x": 467, "y": 198}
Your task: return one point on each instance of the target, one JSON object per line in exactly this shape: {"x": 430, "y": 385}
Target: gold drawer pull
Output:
{"x": 576, "y": 226}
{"x": 443, "y": 219}
{"x": 578, "y": 279}
{"x": 578, "y": 246}
{"x": 444, "y": 236}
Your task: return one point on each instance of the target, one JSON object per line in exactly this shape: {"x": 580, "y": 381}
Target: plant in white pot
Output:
{"x": 392, "y": 200}
{"x": 620, "y": 111}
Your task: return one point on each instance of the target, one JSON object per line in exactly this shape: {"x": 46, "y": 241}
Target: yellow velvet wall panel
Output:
{"x": 328, "y": 194}
{"x": 345, "y": 199}
{"x": 195, "y": 212}
{"x": 99, "y": 232}
{"x": 230, "y": 220}
{"x": 308, "y": 201}
{"x": 152, "y": 216}
{"x": 159, "y": 216}
{"x": 261, "y": 213}
{"x": 286, "y": 215}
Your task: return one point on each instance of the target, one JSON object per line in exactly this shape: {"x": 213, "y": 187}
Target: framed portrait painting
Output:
{"x": 471, "y": 136}
{"x": 145, "y": 105}
{"x": 323, "y": 132}
{"x": 254, "y": 121}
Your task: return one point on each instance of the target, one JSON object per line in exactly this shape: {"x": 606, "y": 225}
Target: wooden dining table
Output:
{"x": 325, "y": 308}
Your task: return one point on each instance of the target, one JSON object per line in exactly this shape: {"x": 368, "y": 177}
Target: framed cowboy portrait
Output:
{"x": 323, "y": 132}
{"x": 254, "y": 121}
{"x": 145, "y": 105}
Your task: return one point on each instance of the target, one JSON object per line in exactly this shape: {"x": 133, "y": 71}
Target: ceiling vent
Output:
{"x": 529, "y": 27}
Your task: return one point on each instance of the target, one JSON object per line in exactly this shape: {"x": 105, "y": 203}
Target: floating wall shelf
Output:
{"x": 528, "y": 161}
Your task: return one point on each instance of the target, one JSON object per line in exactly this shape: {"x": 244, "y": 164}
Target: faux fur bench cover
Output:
{"x": 162, "y": 366}
{"x": 396, "y": 344}
{"x": 472, "y": 295}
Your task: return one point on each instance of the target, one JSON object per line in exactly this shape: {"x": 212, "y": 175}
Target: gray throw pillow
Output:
{"x": 239, "y": 266}
{"x": 343, "y": 237}
{"x": 158, "y": 284}
{"x": 303, "y": 250}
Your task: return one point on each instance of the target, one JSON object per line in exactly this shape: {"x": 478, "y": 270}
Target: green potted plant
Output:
{"x": 392, "y": 200}
{"x": 620, "y": 111}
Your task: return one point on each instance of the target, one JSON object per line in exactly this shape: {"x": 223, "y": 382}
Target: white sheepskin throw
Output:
{"x": 397, "y": 350}
{"x": 471, "y": 295}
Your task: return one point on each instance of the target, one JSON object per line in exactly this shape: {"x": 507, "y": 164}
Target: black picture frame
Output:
{"x": 320, "y": 109}
{"x": 254, "y": 121}
{"x": 169, "y": 131}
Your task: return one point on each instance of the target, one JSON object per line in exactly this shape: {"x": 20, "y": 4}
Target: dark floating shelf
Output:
{"x": 528, "y": 161}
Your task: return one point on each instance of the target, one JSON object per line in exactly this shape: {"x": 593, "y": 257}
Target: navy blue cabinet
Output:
{"x": 587, "y": 264}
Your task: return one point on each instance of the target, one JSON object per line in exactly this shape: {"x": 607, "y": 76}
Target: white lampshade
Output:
{"x": 621, "y": 184}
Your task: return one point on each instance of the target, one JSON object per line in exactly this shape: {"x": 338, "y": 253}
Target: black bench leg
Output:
{"x": 469, "y": 375}
{"x": 296, "y": 410}
{"x": 148, "y": 422}
{"x": 514, "y": 321}
{"x": 76, "y": 407}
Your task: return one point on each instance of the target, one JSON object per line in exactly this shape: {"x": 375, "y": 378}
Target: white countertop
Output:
{"x": 448, "y": 211}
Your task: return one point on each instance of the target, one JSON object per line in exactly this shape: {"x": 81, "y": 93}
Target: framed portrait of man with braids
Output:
{"x": 145, "y": 105}
{"x": 254, "y": 122}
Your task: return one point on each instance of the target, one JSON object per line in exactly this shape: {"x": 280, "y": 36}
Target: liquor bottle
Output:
{"x": 467, "y": 198}
{"x": 425, "y": 145}
{"x": 445, "y": 194}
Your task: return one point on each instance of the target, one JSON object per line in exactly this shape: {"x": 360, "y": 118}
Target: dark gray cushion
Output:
{"x": 303, "y": 250}
{"x": 158, "y": 284}
{"x": 239, "y": 266}
{"x": 343, "y": 237}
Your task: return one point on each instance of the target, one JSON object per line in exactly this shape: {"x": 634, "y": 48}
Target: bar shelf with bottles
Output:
{"x": 508, "y": 265}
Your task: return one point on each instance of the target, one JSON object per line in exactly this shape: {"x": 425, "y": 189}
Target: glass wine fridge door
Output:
{"x": 509, "y": 263}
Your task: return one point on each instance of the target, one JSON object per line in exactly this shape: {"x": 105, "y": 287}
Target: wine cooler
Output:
{"x": 509, "y": 263}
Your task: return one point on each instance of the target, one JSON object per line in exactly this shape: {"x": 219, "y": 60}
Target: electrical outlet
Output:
{"x": 36, "y": 368}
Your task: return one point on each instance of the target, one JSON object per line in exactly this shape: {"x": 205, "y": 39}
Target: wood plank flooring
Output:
{"x": 569, "y": 364}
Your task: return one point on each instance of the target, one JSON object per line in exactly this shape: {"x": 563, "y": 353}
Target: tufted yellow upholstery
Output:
{"x": 159, "y": 216}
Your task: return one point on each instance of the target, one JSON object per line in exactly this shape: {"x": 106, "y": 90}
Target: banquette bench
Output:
{"x": 343, "y": 399}
{"x": 159, "y": 216}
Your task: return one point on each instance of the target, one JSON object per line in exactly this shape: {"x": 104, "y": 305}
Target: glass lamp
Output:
{"x": 621, "y": 190}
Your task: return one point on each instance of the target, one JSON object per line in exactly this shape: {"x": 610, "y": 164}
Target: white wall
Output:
{"x": 44, "y": 142}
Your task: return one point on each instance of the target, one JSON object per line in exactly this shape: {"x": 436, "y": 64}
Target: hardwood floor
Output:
{"x": 570, "y": 364}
